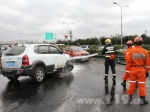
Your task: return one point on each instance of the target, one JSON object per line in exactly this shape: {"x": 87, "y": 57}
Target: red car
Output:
{"x": 75, "y": 51}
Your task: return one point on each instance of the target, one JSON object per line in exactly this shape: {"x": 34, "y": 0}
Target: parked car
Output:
{"x": 5, "y": 47}
{"x": 76, "y": 51}
{"x": 59, "y": 45}
{"x": 33, "y": 60}
{"x": 100, "y": 47}
{"x": 121, "y": 51}
{"x": 86, "y": 47}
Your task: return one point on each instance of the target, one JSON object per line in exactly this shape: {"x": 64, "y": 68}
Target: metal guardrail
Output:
{"x": 119, "y": 59}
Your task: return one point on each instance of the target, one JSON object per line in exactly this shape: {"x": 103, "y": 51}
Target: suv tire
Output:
{"x": 69, "y": 67}
{"x": 39, "y": 74}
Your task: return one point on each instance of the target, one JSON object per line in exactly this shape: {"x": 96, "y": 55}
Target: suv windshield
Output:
{"x": 17, "y": 50}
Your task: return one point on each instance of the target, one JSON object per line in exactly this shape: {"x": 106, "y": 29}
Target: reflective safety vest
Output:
{"x": 108, "y": 50}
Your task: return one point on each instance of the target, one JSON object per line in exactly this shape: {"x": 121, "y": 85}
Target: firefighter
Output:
{"x": 109, "y": 52}
{"x": 129, "y": 44}
{"x": 138, "y": 65}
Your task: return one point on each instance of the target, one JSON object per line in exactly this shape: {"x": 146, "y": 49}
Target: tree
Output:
{"x": 103, "y": 40}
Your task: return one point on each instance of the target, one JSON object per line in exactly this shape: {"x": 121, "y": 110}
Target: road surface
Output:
{"x": 82, "y": 90}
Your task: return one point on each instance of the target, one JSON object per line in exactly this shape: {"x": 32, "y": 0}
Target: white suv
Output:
{"x": 33, "y": 60}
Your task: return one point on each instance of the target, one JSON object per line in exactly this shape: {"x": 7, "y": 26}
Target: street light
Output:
{"x": 67, "y": 27}
{"x": 121, "y": 18}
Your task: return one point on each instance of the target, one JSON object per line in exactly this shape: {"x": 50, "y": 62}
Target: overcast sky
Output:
{"x": 31, "y": 19}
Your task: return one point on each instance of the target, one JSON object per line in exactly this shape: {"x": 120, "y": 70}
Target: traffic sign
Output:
{"x": 49, "y": 36}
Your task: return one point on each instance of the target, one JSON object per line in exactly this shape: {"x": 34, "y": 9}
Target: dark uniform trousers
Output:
{"x": 112, "y": 65}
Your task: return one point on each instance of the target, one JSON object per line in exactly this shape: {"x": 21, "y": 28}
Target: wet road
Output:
{"x": 82, "y": 90}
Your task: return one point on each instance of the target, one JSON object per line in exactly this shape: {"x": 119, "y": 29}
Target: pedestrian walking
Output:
{"x": 129, "y": 44}
{"x": 138, "y": 65}
{"x": 109, "y": 52}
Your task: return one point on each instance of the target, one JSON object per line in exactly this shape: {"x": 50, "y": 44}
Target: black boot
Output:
{"x": 130, "y": 98}
{"x": 143, "y": 101}
{"x": 114, "y": 82}
{"x": 106, "y": 87}
{"x": 106, "y": 78}
{"x": 114, "y": 78}
{"x": 124, "y": 86}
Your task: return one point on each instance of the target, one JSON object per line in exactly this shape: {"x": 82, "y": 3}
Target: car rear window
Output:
{"x": 84, "y": 46}
{"x": 77, "y": 49}
{"x": 17, "y": 50}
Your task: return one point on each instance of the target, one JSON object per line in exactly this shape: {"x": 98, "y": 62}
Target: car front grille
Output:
{"x": 84, "y": 54}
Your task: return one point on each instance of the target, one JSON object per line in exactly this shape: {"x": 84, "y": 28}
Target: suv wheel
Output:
{"x": 39, "y": 75}
{"x": 69, "y": 67}
{"x": 13, "y": 78}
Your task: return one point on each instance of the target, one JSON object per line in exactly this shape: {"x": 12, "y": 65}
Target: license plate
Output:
{"x": 11, "y": 63}
{"x": 84, "y": 59}
{"x": 8, "y": 71}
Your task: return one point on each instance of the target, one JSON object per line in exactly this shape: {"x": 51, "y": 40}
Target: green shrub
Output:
{"x": 146, "y": 46}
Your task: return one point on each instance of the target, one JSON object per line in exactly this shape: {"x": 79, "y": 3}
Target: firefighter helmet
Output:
{"x": 129, "y": 42}
{"x": 108, "y": 41}
{"x": 138, "y": 40}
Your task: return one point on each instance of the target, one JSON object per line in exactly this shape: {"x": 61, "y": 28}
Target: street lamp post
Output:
{"x": 67, "y": 27}
{"x": 55, "y": 38}
{"x": 121, "y": 18}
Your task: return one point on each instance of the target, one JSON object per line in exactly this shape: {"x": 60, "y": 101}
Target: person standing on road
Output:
{"x": 138, "y": 65}
{"x": 109, "y": 52}
{"x": 129, "y": 44}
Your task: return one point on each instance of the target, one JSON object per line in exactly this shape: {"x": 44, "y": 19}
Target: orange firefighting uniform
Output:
{"x": 126, "y": 74}
{"x": 138, "y": 65}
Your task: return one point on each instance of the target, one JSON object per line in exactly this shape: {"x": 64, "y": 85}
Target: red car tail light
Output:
{"x": 25, "y": 60}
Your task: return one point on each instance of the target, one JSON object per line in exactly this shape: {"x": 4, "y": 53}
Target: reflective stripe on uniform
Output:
{"x": 127, "y": 71}
{"x": 147, "y": 66}
{"x": 109, "y": 52}
{"x": 133, "y": 81}
{"x": 114, "y": 74}
{"x": 106, "y": 74}
{"x": 107, "y": 56}
{"x": 141, "y": 82}
{"x": 138, "y": 56}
